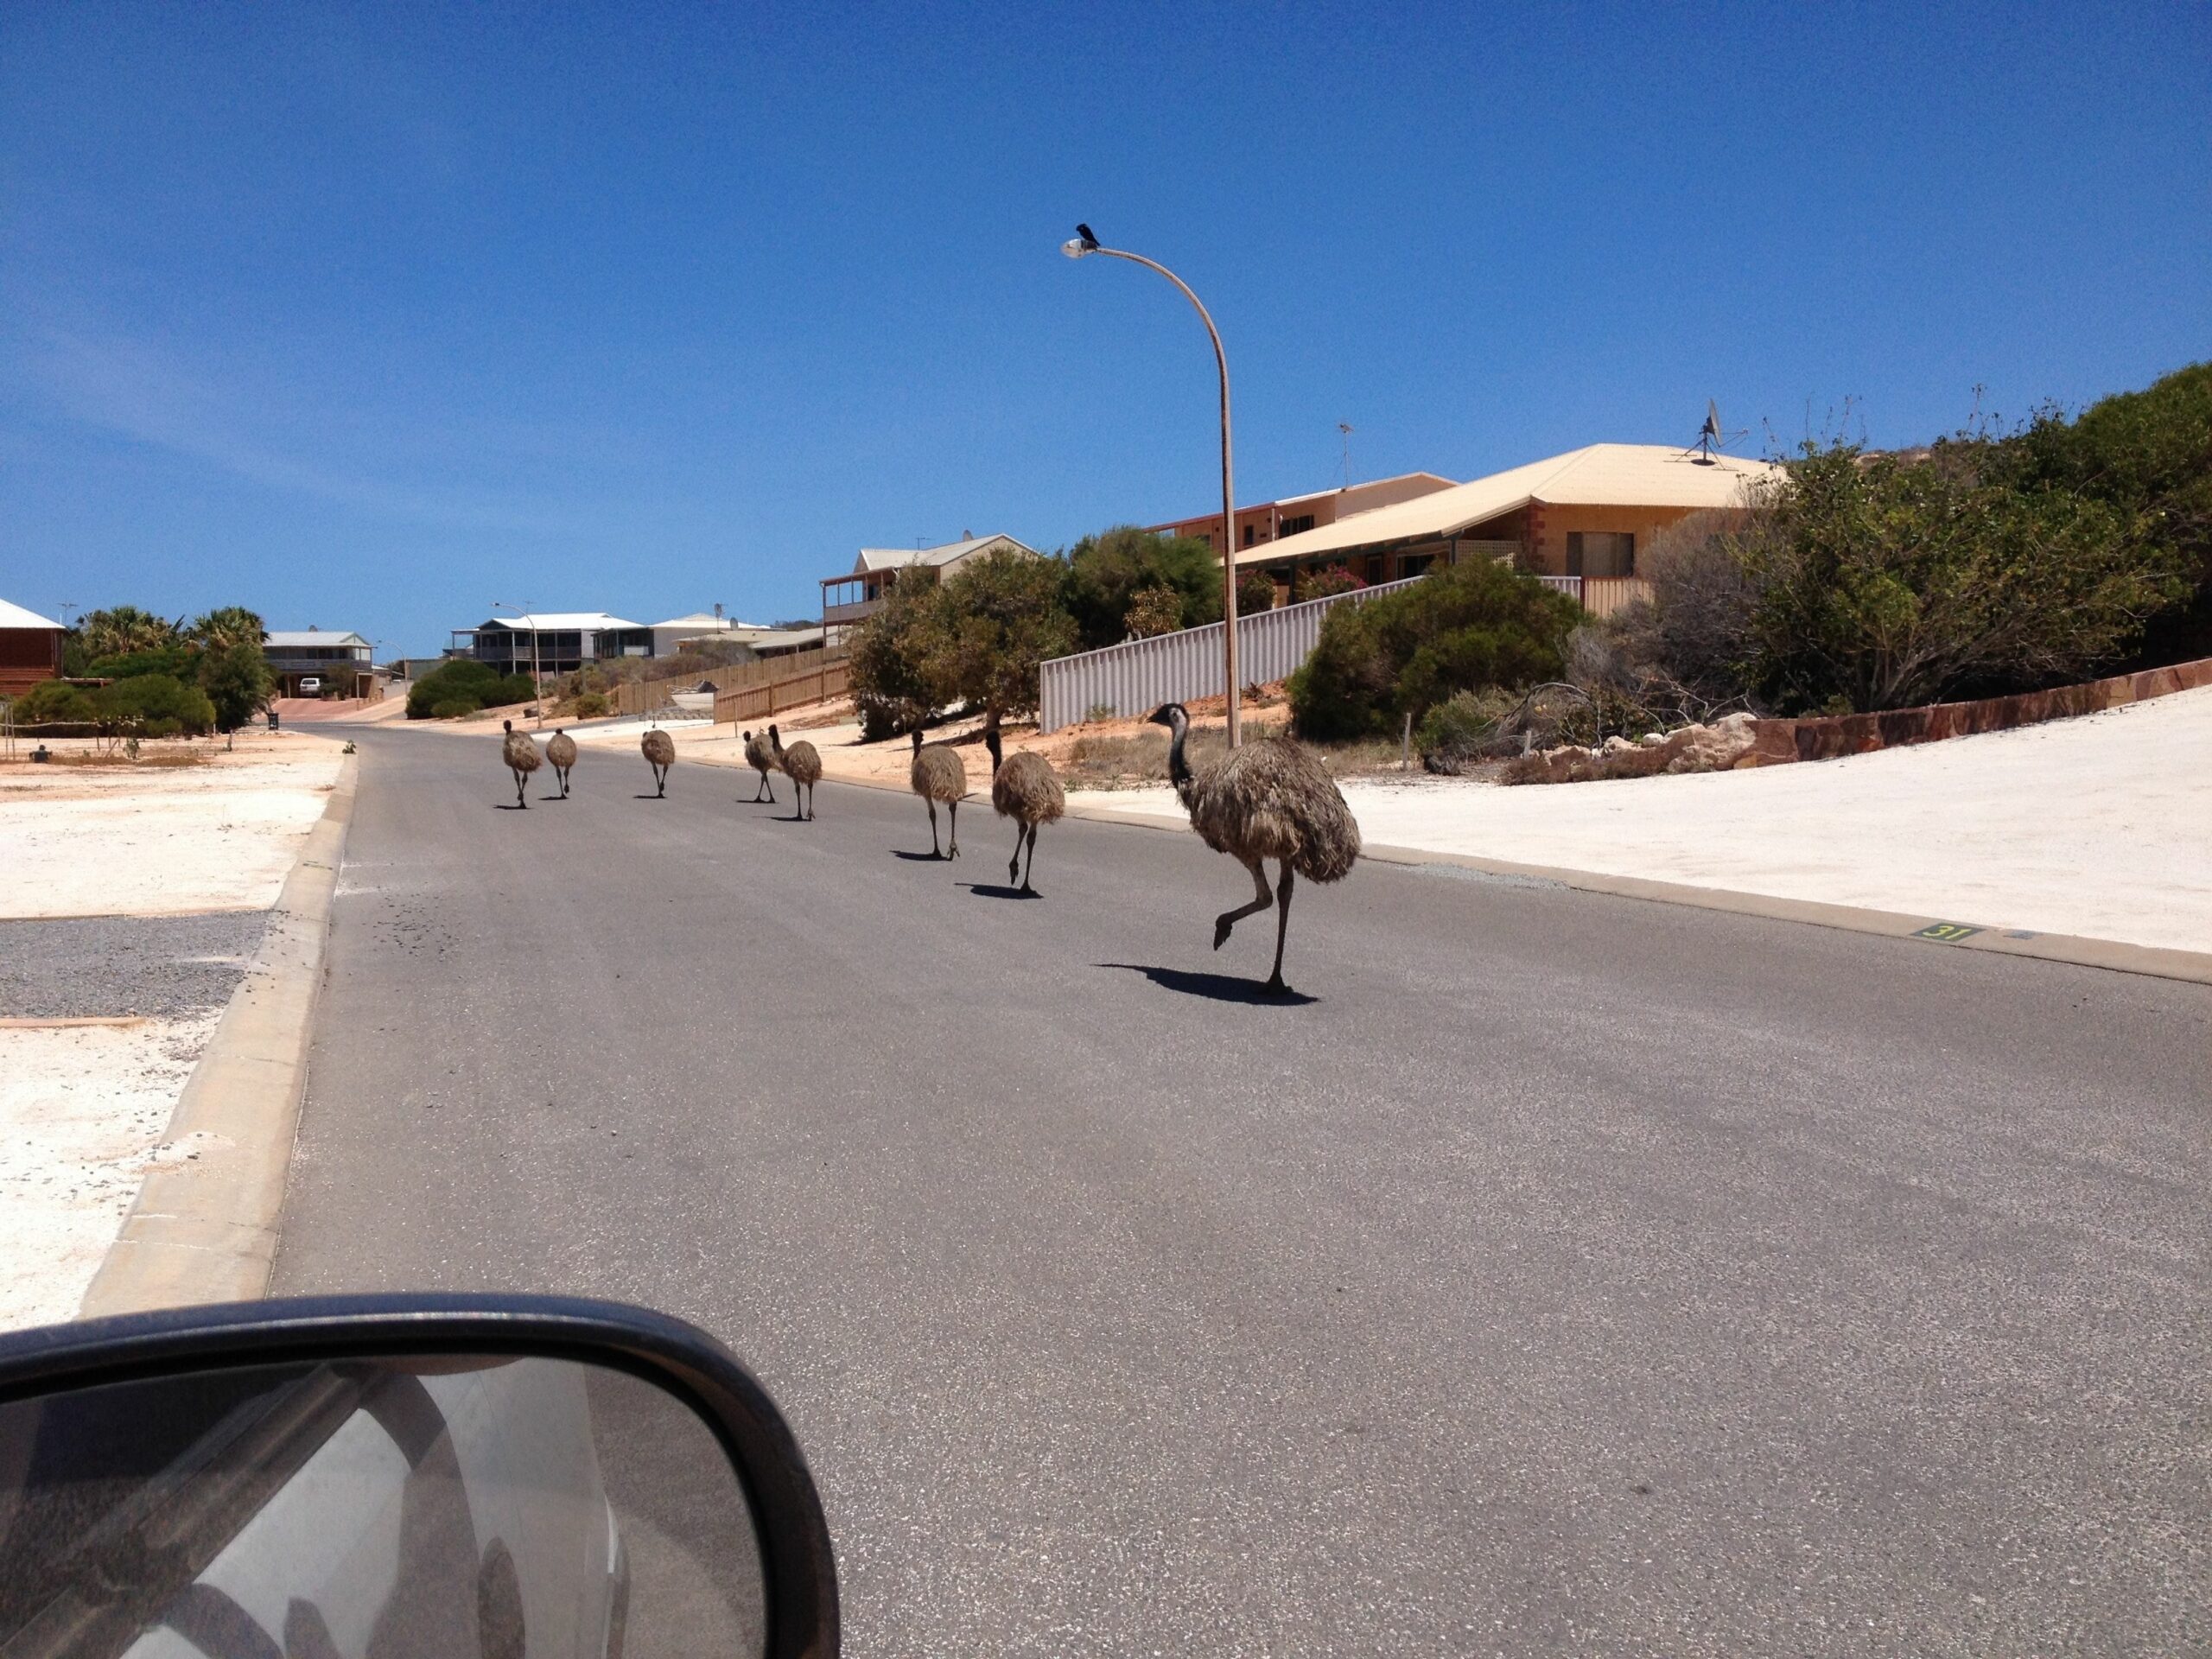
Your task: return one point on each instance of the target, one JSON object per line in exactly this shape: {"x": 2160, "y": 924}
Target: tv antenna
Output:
{"x": 1710, "y": 438}
{"x": 1344, "y": 429}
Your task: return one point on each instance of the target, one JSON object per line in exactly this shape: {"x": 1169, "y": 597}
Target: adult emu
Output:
{"x": 1271, "y": 799}
{"x": 938, "y": 775}
{"x": 521, "y": 756}
{"x": 762, "y": 759}
{"x": 1025, "y": 790}
{"x": 802, "y": 764}
{"x": 660, "y": 754}
{"x": 561, "y": 750}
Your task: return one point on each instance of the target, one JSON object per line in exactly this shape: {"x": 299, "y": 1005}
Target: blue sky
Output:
{"x": 370, "y": 317}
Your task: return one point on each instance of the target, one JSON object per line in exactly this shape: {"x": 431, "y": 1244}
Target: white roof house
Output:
{"x": 898, "y": 558}
{"x": 284, "y": 639}
{"x": 563, "y": 622}
{"x": 851, "y": 598}
{"x": 1653, "y": 484}
{"x": 669, "y": 636}
{"x": 14, "y": 616}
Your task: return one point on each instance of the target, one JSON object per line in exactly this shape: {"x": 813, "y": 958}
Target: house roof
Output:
{"x": 1436, "y": 480}
{"x": 898, "y": 558}
{"x": 560, "y": 622}
{"x": 776, "y": 639}
{"x": 1598, "y": 474}
{"x": 14, "y": 616}
{"x": 283, "y": 640}
{"x": 707, "y": 622}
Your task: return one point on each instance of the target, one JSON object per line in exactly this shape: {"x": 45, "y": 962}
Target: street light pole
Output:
{"x": 537, "y": 684}
{"x": 1084, "y": 243}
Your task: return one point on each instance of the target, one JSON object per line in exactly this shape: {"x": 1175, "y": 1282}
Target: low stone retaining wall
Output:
{"x": 1824, "y": 738}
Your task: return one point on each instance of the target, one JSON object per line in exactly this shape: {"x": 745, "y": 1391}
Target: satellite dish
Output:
{"x": 1710, "y": 438}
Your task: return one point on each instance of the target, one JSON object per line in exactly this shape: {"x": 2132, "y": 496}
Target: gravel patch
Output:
{"x": 164, "y": 967}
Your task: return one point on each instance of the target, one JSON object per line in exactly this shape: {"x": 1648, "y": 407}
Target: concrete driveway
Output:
{"x": 1570, "y": 1274}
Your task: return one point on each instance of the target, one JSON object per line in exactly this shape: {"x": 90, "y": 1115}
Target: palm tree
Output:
{"x": 224, "y": 627}
{"x": 122, "y": 629}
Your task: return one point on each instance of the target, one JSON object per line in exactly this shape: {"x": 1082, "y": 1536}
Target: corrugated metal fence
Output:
{"x": 1137, "y": 676}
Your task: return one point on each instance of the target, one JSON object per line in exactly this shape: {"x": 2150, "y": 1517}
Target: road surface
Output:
{"x": 1570, "y": 1274}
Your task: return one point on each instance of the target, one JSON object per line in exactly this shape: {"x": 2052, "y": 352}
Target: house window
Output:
{"x": 1248, "y": 535}
{"x": 1373, "y": 572}
{"x": 1413, "y": 564}
{"x": 1294, "y": 526}
{"x": 1600, "y": 553}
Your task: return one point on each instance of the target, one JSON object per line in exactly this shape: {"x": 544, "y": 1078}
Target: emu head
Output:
{"x": 506, "y": 724}
{"x": 1167, "y": 715}
{"x": 917, "y": 736}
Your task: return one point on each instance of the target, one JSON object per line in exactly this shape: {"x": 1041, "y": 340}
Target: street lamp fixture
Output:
{"x": 1081, "y": 245}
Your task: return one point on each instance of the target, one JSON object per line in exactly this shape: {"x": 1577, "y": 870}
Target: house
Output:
{"x": 851, "y": 598}
{"x": 1585, "y": 516}
{"x": 30, "y": 649}
{"x": 340, "y": 662}
{"x": 1271, "y": 521}
{"x": 671, "y": 636}
{"x": 552, "y": 642}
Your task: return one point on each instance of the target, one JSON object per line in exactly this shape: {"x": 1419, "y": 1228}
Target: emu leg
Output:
{"x": 660, "y": 783}
{"x": 521, "y": 800}
{"x": 809, "y": 803}
{"x": 765, "y": 786}
{"x": 952, "y": 811}
{"x": 935, "y": 851}
{"x": 1283, "y": 924}
{"x": 1032, "y": 864}
{"x": 1228, "y": 918}
{"x": 1014, "y": 864}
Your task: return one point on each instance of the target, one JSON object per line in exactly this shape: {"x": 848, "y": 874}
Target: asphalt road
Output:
{"x": 1571, "y": 1274}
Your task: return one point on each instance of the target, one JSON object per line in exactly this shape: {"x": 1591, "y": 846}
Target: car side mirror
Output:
{"x": 434, "y": 1477}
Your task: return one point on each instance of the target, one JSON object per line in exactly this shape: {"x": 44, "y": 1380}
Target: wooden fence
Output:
{"x": 654, "y": 697}
{"x": 826, "y": 679}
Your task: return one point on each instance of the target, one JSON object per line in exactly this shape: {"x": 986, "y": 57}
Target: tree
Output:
{"x": 224, "y": 627}
{"x": 1884, "y": 582}
{"x": 1473, "y": 625}
{"x": 465, "y": 685}
{"x": 1326, "y": 584}
{"x": 1256, "y": 592}
{"x": 153, "y": 705}
{"x": 1105, "y": 572}
{"x": 898, "y": 668}
{"x": 1155, "y": 611}
{"x": 122, "y": 629}
{"x": 998, "y": 618}
{"x": 236, "y": 680}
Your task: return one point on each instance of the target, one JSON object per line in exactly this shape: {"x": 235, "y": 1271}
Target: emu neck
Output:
{"x": 1179, "y": 764}
{"x": 991, "y": 742}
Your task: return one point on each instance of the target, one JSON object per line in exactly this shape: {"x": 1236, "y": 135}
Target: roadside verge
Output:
{"x": 205, "y": 1230}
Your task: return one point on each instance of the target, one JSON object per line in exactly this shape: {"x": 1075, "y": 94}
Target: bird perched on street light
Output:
{"x": 1089, "y": 242}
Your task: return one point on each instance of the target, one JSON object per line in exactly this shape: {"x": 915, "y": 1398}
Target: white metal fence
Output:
{"x": 1137, "y": 676}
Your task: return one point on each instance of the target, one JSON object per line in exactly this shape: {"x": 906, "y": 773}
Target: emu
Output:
{"x": 521, "y": 756}
{"x": 1025, "y": 790}
{"x": 938, "y": 775}
{"x": 561, "y": 750}
{"x": 660, "y": 754}
{"x": 762, "y": 759}
{"x": 802, "y": 764}
{"x": 1270, "y": 798}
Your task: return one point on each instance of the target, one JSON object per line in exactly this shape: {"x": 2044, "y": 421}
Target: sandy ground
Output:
{"x": 83, "y": 1107}
{"x": 82, "y": 1113}
{"x": 160, "y": 840}
{"x": 2100, "y": 827}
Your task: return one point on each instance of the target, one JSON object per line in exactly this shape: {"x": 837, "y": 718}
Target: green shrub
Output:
{"x": 154, "y": 704}
{"x": 1326, "y": 584}
{"x": 53, "y": 703}
{"x": 179, "y": 662}
{"x": 1473, "y": 625}
{"x": 1001, "y": 617}
{"x": 450, "y": 709}
{"x": 236, "y": 680}
{"x": 590, "y": 705}
{"x": 1104, "y": 573}
{"x": 466, "y": 680}
{"x": 1886, "y": 582}
{"x": 1155, "y": 611}
{"x": 1256, "y": 592}
{"x": 899, "y": 676}
{"x": 1462, "y": 725}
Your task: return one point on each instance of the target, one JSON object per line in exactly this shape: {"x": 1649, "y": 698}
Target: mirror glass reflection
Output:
{"x": 436, "y": 1508}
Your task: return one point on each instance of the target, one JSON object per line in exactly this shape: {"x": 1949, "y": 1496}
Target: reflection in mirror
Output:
{"x": 446, "y": 1507}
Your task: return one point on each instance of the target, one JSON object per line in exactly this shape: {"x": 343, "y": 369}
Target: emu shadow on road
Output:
{"x": 1219, "y": 988}
{"x": 920, "y": 858}
{"x": 988, "y": 890}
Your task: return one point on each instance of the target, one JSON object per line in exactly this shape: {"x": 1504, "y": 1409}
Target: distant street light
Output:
{"x": 1081, "y": 245}
{"x": 536, "y": 685}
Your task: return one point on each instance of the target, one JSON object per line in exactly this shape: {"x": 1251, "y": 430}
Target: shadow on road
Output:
{"x": 987, "y": 890}
{"x": 920, "y": 858}
{"x": 1219, "y": 987}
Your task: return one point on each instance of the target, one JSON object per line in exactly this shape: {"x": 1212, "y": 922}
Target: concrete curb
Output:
{"x": 206, "y": 1231}
{"x": 2160, "y": 962}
